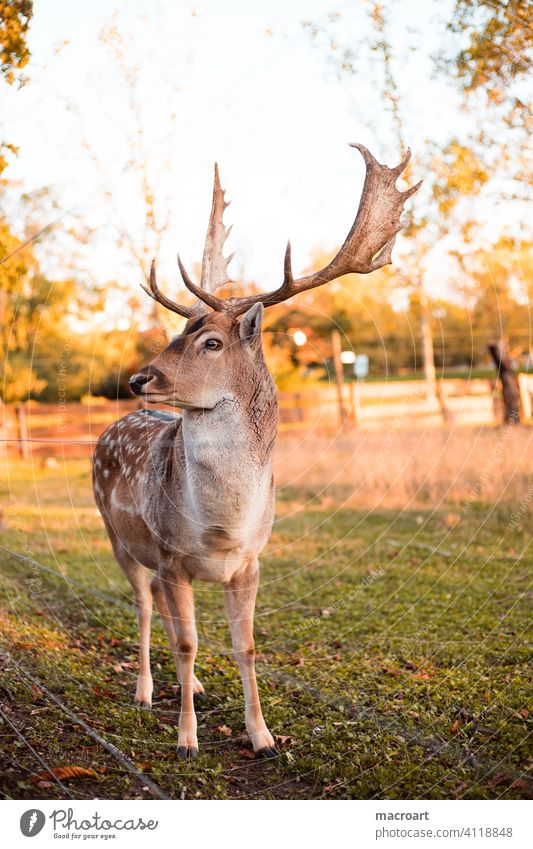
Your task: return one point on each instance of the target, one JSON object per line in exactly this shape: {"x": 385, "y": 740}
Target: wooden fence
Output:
{"x": 72, "y": 428}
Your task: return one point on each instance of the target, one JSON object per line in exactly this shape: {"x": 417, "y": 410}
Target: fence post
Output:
{"x": 23, "y": 432}
{"x": 298, "y": 407}
{"x": 339, "y": 373}
{"x": 525, "y": 384}
{"x": 509, "y": 383}
{"x": 447, "y": 417}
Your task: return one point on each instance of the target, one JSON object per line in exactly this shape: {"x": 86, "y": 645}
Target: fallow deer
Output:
{"x": 191, "y": 496}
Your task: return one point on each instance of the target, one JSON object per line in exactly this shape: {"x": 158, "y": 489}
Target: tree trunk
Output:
{"x": 509, "y": 382}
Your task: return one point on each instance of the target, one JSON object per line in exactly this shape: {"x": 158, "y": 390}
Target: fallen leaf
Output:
{"x": 62, "y": 772}
{"x": 330, "y": 787}
{"x": 224, "y": 729}
{"x": 390, "y": 670}
{"x": 452, "y": 520}
{"x": 247, "y": 753}
{"x": 499, "y": 778}
{"x": 423, "y": 675}
{"x": 283, "y": 741}
{"x": 524, "y": 713}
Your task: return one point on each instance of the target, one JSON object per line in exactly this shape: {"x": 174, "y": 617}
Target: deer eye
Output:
{"x": 213, "y": 344}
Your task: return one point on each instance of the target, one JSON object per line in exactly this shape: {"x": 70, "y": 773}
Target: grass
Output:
{"x": 392, "y": 652}
{"x": 406, "y": 468}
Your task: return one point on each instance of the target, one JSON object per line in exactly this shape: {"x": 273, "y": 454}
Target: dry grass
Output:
{"x": 402, "y": 468}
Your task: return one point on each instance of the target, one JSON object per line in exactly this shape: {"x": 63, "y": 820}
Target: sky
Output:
{"x": 237, "y": 82}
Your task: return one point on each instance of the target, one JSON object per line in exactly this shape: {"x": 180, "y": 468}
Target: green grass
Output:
{"x": 396, "y": 671}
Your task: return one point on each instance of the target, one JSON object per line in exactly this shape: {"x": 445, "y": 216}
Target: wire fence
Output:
{"x": 73, "y": 428}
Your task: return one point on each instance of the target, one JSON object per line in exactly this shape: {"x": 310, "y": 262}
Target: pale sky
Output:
{"x": 247, "y": 87}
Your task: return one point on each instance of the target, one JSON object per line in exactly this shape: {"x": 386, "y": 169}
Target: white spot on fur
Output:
{"x": 119, "y": 505}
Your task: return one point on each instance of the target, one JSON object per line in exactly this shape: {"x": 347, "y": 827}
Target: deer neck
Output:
{"x": 228, "y": 450}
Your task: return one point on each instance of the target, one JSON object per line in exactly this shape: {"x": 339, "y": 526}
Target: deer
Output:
{"x": 190, "y": 496}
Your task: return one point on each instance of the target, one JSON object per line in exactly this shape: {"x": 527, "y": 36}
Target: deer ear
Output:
{"x": 250, "y": 326}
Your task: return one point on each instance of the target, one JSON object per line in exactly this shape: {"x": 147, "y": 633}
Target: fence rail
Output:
{"x": 72, "y": 428}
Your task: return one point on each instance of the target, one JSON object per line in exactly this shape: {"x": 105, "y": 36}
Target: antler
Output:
{"x": 367, "y": 247}
{"x": 214, "y": 264}
{"x": 155, "y": 293}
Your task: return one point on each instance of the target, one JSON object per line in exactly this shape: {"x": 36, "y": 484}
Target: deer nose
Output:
{"x": 137, "y": 381}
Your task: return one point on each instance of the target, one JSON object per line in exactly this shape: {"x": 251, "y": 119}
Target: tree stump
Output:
{"x": 509, "y": 382}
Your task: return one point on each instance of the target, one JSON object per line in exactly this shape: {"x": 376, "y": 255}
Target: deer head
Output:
{"x": 217, "y": 355}
{"x": 213, "y": 359}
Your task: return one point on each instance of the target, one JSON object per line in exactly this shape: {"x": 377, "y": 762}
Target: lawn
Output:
{"x": 393, "y": 657}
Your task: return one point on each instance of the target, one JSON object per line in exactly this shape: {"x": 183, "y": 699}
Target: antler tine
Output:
{"x": 205, "y": 296}
{"x": 155, "y": 293}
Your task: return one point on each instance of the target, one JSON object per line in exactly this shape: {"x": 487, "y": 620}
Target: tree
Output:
{"x": 493, "y": 68}
{"x": 489, "y": 56}
{"x": 500, "y": 40}
{"x": 15, "y": 16}
{"x": 140, "y": 227}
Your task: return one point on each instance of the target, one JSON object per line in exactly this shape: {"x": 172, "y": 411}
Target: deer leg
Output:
{"x": 139, "y": 578}
{"x": 239, "y": 598}
{"x": 178, "y": 593}
{"x": 166, "y": 618}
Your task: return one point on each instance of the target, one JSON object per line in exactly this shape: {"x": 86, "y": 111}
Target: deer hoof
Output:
{"x": 187, "y": 753}
{"x": 198, "y": 687}
{"x": 144, "y": 705}
{"x": 269, "y": 752}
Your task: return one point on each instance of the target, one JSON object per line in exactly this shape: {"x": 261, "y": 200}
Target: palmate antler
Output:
{"x": 367, "y": 247}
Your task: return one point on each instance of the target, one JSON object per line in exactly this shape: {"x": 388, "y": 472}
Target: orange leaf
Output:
{"x": 247, "y": 753}
{"x": 62, "y": 772}
{"x": 223, "y": 729}
{"x": 423, "y": 675}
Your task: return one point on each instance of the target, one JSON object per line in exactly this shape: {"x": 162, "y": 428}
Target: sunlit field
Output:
{"x": 405, "y": 468}
{"x": 392, "y": 660}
